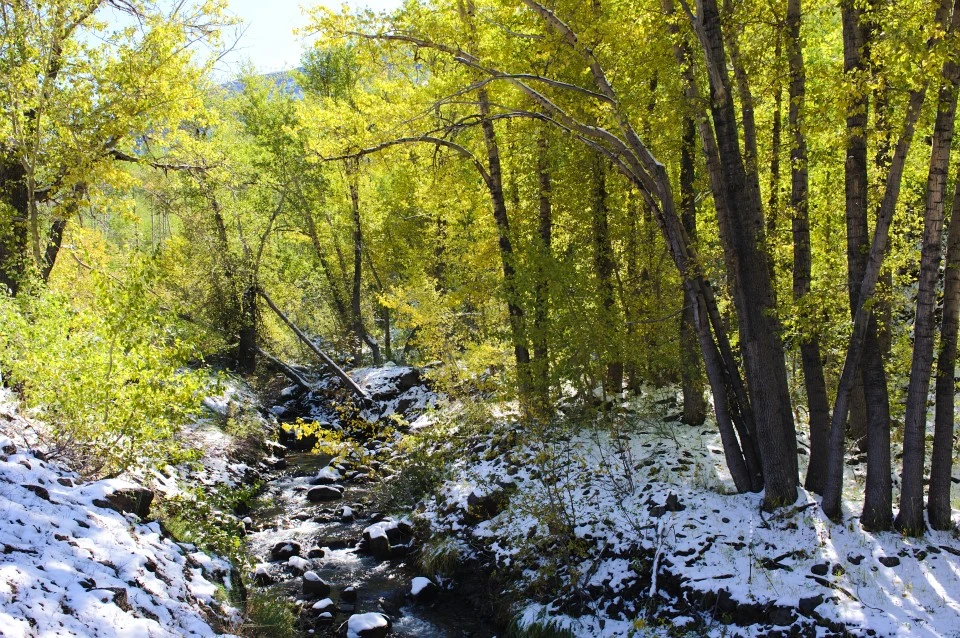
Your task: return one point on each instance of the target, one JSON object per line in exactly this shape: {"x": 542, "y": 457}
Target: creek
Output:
{"x": 327, "y": 537}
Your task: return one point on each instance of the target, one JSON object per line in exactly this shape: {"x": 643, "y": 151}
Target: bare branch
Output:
{"x": 117, "y": 154}
{"x": 427, "y": 139}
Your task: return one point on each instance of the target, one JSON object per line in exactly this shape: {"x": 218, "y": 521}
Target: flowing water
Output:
{"x": 282, "y": 513}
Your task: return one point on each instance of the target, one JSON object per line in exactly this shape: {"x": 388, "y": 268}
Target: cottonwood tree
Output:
{"x": 81, "y": 94}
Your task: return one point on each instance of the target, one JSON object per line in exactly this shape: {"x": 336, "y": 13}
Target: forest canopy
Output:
{"x": 755, "y": 202}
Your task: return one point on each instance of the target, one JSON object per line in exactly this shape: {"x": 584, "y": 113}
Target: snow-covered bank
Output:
{"x": 657, "y": 539}
{"x": 73, "y": 566}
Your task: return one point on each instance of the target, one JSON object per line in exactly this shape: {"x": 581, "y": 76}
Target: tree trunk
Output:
{"x": 691, "y": 373}
{"x": 869, "y": 424}
{"x": 776, "y": 134}
{"x": 356, "y": 310}
{"x": 941, "y": 461}
{"x": 247, "y": 349}
{"x": 631, "y": 293}
{"x": 855, "y": 186}
{"x": 753, "y": 290}
{"x": 387, "y": 337}
{"x": 818, "y": 403}
{"x": 240, "y": 299}
{"x": 910, "y": 517}
{"x": 856, "y": 344}
{"x": 494, "y": 183}
{"x": 54, "y": 242}
{"x": 339, "y": 305}
{"x": 540, "y": 337}
{"x": 603, "y": 268}
{"x": 518, "y": 335}
{"x": 14, "y": 233}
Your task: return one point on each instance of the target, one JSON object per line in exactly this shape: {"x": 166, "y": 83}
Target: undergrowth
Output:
{"x": 269, "y": 615}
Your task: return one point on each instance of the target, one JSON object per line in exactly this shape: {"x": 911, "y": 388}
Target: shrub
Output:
{"x": 269, "y": 616}
{"x": 202, "y": 516}
{"x": 107, "y": 378}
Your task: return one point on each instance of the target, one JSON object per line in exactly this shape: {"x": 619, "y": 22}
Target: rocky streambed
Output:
{"x": 349, "y": 568}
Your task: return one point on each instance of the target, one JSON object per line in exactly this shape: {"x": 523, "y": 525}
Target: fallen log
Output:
{"x": 285, "y": 369}
{"x": 350, "y": 383}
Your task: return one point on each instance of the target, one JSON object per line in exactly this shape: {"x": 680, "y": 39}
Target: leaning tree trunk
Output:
{"x": 691, "y": 373}
{"x": 856, "y": 343}
{"x": 941, "y": 462}
{"x": 870, "y": 414}
{"x": 521, "y": 350}
{"x": 735, "y": 418}
{"x": 910, "y": 517}
{"x": 818, "y": 403}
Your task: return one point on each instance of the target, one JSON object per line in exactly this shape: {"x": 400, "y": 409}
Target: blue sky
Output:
{"x": 268, "y": 41}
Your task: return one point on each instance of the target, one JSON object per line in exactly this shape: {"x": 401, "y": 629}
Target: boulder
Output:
{"x": 324, "y": 606}
{"x": 808, "y": 605}
{"x": 7, "y": 446}
{"x": 314, "y": 586}
{"x": 127, "y": 500}
{"x": 379, "y": 538}
{"x": 323, "y": 493}
{"x": 379, "y": 546}
{"x": 372, "y": 625}
{"x": 423, "y": 590}
{"x": 781, "y": 616}
{"x": 261, "y": 576}
{"x": 284, "y": 550}
{"x": 349, "y": 595}
{"x": 121, "y": 597}
{"x": 484, "y": 506}
{"x": 40, "y": 491}
{"x": 298, "y": 564}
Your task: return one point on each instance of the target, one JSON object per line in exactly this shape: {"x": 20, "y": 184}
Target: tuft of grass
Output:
{"x": 538, "y": 629}
{"x": 269, "y": 616}
{"x": 439, "y": 555}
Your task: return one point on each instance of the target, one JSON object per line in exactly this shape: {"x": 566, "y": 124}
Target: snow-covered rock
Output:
{"x": 423, "y": 590}
{"x": 323, "y": 605}
{"x": 314, "y": 586}
{"x": 323, "y": 493}
{"x": 372, "y": 625}
{"x": 326, "y": 476}
{"x": 284, "y": 550}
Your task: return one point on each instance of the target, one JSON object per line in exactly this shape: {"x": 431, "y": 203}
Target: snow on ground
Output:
{"x": 657, "y": 514}
{"x": 396, "y": 389}
{"x": 71, "y": 568}
{"x": 218, "y": 465}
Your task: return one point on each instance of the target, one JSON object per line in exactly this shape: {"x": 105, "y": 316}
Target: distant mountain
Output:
{"x": 282, "y": 80}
